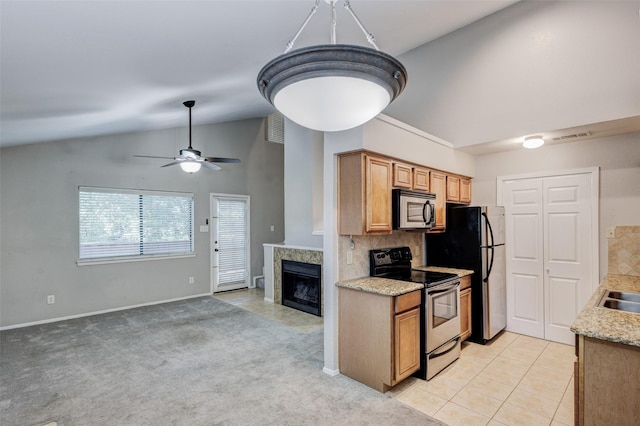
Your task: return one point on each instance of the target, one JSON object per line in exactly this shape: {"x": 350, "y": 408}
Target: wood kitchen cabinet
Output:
{"x": 364, "y": 199}
{"x": 458, "y": 189}
{"x": 378, "y": 336}
{"x": 465, "y": 308}
{"x": 606, "y": 383}
{"x": 438, "y": 186}
{"x": 402, "y": 176}
{"x": 420, "y": 179}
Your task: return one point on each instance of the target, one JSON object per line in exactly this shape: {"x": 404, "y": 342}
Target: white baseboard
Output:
{"x": 268, "y": 299}
{"x": 330, "y": 372}
{"x": 106, "y": 311}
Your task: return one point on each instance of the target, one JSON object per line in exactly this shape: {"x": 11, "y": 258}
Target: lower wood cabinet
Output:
{"x": 465, "y": 308}
{"x": 607, "y": 383}
{"x": 378, "y": 337}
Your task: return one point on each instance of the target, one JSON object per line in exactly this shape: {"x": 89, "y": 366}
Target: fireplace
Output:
{"x": 301, "y": 286}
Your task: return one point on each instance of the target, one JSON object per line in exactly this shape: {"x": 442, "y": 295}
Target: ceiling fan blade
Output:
{"x": 221, "y": 160}
{"x": 172, "y": 164}
{"x": 211, "y": 166}
{"x": 154, "y": 156}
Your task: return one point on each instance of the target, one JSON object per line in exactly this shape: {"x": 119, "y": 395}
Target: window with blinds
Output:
{"x": 120, "y": 223}
{"x": 232, "y": 241}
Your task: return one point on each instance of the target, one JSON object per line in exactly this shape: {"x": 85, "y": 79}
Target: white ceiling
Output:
{"x": 86, "y": 68}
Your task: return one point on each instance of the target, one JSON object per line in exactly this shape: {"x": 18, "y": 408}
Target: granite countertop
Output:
{"x": 459, "y": 272}
{"x": 383, "y": 286}
{"x": 608, "y": 324}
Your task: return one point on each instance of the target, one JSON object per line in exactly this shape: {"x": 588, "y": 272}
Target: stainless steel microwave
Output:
{"x": 413, "y": 209}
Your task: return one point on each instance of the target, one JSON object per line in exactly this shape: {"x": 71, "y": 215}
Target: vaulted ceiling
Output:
{"x": 86, "y": 68}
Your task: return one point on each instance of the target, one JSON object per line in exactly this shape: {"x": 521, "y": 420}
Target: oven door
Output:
{"x": 442, "y": 314}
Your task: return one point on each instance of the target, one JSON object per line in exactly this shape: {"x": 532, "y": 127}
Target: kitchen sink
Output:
{"x": 620, "y": 301}
{"x": 621, "y": 295}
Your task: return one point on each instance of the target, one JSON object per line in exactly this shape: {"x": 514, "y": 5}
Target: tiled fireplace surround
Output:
{"x": 299, "y": 255}
{"x": 360, "y": 257}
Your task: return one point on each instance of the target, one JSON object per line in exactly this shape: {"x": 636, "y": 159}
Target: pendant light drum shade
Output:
{"x": 332, "y": 87}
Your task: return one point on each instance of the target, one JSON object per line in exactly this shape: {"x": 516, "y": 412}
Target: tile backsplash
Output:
{"x": 362, "y": 244}
{"x": 624, "y": 251}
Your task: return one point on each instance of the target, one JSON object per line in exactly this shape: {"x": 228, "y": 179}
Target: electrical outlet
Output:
{"x": 273, "y": 228}
{"x": 611, "y": 232}
{"x": 192, "y": 280}
{"x": 349, "y": 257}
{"x": 51, "y": 299}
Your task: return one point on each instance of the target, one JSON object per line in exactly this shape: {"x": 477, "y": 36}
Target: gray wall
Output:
{"x": 617, "y": 157}
{"x": 532, "y": 67}
{"x": 303, "y": 185}
{"x": 39, "y": 216}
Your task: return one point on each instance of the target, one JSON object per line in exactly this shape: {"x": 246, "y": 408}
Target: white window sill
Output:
{"x": 107, "y": 260}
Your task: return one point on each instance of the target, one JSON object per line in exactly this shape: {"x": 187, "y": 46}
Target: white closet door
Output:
{"x": 567, "y": 228}
{"x": 549, "y": 245}
{"x": 525, "y": 256}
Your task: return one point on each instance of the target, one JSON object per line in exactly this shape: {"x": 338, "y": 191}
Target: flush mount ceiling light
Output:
{"x": 332, "y": 87}
{"x": 532, "y": 142}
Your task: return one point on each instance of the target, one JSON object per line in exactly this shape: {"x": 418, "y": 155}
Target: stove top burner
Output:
{"x": 395, "y": 263}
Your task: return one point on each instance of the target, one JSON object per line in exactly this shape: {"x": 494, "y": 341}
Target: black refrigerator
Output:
{"x": 474, "y": 239}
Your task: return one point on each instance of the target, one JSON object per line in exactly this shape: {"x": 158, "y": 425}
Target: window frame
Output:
{"x": 137, "y": 257}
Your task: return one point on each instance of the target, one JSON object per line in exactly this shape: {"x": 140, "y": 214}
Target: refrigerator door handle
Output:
{"x": 490, "y": 230}
{"x": 486, "y": 279}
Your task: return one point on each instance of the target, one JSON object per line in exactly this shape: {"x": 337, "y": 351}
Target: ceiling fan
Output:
{"x": 190, "y": 160}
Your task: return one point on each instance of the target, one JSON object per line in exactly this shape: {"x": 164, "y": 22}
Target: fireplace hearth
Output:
{"x": 301, "y": 286}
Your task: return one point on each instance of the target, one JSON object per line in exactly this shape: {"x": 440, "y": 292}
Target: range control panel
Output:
{"x": 391, "y": 255}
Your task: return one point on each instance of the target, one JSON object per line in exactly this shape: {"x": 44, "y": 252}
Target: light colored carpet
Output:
{"x": 195, "y": 362}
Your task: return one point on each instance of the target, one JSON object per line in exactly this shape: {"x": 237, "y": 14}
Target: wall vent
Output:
{"x": 274, "y": 128}
{"x": 572, "y": 136}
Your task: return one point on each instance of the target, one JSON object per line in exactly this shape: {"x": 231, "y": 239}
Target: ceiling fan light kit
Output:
{"x": 190, "y": 160}
{"x": 332, "y": 87}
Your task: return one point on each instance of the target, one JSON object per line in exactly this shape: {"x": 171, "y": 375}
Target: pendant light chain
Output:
{"x": 370, "y": 38}
{"x": 334, "y": 22}
{"x": 347, "y": 5}
{"x": 304, "y": 24}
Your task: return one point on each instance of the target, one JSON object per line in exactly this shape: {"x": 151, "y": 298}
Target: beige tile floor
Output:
{"x": 513, "y": 380}
{"x": 252, "y": 299}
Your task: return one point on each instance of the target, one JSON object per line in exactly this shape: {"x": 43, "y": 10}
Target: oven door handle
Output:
{"x": 439, "y": 290}
{"x": 437, "y": 355}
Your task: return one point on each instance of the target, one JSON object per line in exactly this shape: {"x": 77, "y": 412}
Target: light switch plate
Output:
{"x": 349, "y": 257}
{"x": 611, "y": 232}
{"x": 204, "y": 228}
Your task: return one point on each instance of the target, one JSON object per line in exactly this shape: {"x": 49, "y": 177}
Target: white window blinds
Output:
{"x": 232, "y": 241}
{"x": 117, "y": 223}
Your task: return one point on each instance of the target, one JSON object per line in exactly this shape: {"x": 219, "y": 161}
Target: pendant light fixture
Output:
{"x": 332, "y": 87}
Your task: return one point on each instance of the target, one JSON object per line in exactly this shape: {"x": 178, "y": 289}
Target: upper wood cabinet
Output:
{"x": 421, "y": 179}
{"x": 438, "y": 186}
{"x": 458, "y": 189}
{"x": 364, "y": 198}
{"x": 402, "y": 176}
{"x": 410, "y": 177}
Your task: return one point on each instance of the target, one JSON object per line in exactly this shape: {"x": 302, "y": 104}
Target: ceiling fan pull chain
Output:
{"x": 304, "y": 24}
{"x": 370, "y": 38}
